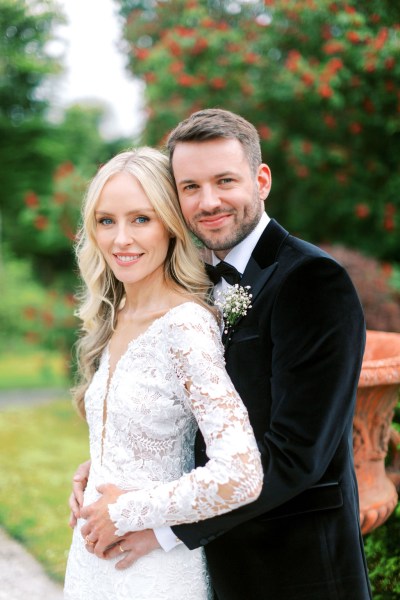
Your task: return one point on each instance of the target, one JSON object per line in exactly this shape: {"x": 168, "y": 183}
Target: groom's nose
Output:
{"x": 209, "y": 198}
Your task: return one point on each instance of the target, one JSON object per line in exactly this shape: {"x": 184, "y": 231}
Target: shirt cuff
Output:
{"x": 166, "y": 538}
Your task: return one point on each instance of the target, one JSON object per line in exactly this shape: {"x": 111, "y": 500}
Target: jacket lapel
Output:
{"x": 262, "y": 263}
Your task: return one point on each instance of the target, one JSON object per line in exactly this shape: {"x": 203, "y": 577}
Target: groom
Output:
{"x": 295, "y": 360}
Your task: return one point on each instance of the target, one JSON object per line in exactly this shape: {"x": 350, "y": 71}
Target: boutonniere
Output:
{"x": 234, "y": 304}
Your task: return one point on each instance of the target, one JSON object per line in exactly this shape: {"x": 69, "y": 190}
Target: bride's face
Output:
{"x": 133, "y": 240}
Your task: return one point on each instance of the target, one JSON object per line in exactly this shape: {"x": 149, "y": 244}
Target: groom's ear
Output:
{"x": 264, "y": 181}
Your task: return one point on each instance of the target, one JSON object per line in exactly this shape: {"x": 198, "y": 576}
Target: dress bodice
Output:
{"x": 142, "y": 422}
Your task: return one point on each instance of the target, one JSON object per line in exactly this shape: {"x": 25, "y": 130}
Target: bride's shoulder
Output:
{"x": 192, "y": 311}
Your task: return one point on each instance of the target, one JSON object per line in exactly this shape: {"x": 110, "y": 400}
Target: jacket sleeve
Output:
{"x": 317, "y": 337}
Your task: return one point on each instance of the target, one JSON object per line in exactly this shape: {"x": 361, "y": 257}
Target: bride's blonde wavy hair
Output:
{"x": 102, "y": 293}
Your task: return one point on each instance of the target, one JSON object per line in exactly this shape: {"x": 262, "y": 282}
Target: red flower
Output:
{"x": 307, "y": 147}
{"x": 31, "y": 200}
{"x": 174, "y": 48}
{"x": 41, "y": 222}
{"x": 247, "y": 89}
{"x": 200, "y": 45}
{"x": 48, "y": 318}
{"x": 330, "y": 121}
{"x": 362, "y": 210}
{"x": 381, "y": 38}
{"x": 184, "y": 31}
{"x": 353, "y": 37}
{"x": 390, "y": 63}
{"x": 176, "y": 67}
{"x": 390, "y": 209}
{"x": 141, "y": 53}
{"x": 30, "y": 313}
{"x": 207, "y": 22}
{"x": 369, "y": 106}
{"x": 292, "y": 60}
{"x": 375, "y": 18}
{"x": 186, "y": 80}
{"x": 333, "y": 47}
{"x": 388, "y": 223}
{"x": 334, "y": 65}
{"x": 218, "y": 83}
{"x": 69, "y": 299}
{"x": 251, "y": 58}
{"x": 370, "y": 65}
{"x": 341, "y": 177}
{"x": 264, "y": 131}
{"x": 232, "y": 47}
{"x": 60, "y": 198}
{"x": 326, "y": 32}
{"x": 150, "y": 77}
{"x": 63, "y": 170}
{"x": 387, "y": 269}
{"x": 308, "y": 78}
{"x": 302, "y": 171}
{"x": 325, "y": 91}
{"x": 355, "y": 128}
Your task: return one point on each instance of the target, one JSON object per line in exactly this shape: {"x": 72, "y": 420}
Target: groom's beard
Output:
{"x": 239, "y": 229}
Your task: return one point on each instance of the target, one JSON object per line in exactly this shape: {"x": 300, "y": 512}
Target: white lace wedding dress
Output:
{"x": 146, "y": 446}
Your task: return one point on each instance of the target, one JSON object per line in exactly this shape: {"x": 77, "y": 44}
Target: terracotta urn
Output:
{"x": 377, "y": 396}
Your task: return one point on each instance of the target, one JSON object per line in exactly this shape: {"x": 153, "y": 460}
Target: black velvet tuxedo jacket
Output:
{"x": 295, "y": 361}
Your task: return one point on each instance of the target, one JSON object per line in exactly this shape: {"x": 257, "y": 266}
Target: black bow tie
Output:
{"x": 225, "y": 270}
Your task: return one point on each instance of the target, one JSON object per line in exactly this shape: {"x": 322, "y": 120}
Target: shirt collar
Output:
{"x": 239, "y": 256}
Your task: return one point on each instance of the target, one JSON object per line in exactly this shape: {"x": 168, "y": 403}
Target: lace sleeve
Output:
{"x": 233, "y": 475}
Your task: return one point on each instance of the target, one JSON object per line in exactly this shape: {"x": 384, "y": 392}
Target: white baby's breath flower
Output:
{"x": 234, "y": 303}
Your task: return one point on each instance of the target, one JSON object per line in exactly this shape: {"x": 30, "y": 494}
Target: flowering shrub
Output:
{"x": 50, "y": 221}
{"x": 319, "y": 79}
{"x": 51, "y": 324}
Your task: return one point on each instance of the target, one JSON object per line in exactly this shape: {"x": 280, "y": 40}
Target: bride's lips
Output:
{"x": 126, "y": 259}
{"x": 215, "y": 222}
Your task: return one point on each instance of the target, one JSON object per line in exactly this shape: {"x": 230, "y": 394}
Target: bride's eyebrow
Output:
{"x": 137, "y": 211}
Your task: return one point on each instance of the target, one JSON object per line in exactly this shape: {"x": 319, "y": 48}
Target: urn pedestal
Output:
{"x": 377, "y": 396}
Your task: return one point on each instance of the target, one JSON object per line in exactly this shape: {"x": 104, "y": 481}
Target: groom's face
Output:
{"x": 221, "y": 199}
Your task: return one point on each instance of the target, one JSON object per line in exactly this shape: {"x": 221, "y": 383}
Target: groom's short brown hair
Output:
{"x": 213, "y": 123}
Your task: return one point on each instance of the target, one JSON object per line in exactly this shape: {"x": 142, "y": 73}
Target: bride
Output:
{"x": 151, "y": 372}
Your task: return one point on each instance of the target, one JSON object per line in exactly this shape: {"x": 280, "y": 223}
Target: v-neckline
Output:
{"x": 110, "y": 376}
{"x": 136, "y": 339}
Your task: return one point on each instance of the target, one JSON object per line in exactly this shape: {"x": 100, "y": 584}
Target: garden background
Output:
{"x": 321, "y": 82}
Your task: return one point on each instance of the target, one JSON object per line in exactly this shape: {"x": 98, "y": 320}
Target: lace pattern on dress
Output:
{"x": 233, "y": 475}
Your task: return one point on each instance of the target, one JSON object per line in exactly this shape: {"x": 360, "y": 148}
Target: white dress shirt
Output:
{"x": 238, "y": 257}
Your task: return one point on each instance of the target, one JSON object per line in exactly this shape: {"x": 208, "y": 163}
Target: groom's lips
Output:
{"x": 215, "y": 222}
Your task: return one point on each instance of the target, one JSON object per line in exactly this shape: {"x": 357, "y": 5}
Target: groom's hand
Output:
{"x": 132, "y": 546}
{"x": 79, "y": 483}
{"x": 99, "y": 531}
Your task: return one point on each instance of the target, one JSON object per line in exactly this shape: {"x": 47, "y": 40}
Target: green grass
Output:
{"x": 40, "y": 449}
{"x": 32, "y": 369}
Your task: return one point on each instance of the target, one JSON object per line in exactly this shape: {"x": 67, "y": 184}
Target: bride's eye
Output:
{"x": 105, "y": 221}
{"x": 141, "y": 220}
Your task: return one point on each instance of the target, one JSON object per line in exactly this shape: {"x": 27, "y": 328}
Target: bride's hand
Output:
{"x": 131, "y": 547}
{"x": 99, "y": 531}
{"x": 79, "y": 483}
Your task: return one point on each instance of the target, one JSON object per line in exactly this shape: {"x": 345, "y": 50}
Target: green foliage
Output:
{"x": 33, "y": 314}
{"x": 25, "y": 30}
{"x": 383, "y": 557}
{"x": 42, "y": 447}
{"x": 320, "y": 80}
